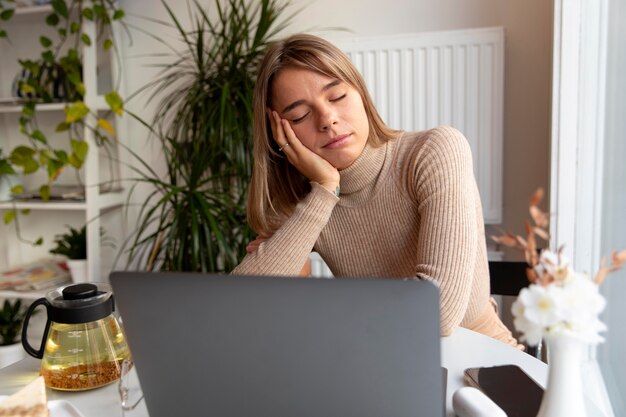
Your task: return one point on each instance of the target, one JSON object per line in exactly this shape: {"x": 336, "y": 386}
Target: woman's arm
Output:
{"x": 286, "y": 251}
{"x": 447, "y": 244}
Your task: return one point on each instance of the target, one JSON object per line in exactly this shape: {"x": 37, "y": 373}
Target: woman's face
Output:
{"x": 327, "y": 115}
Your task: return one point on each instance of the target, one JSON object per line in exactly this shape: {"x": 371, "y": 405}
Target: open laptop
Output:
{"x": 230, "y": 346}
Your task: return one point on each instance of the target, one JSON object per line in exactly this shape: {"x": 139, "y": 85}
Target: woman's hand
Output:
{"x": 253, "y": 246}
{"x": 311, "y": 165}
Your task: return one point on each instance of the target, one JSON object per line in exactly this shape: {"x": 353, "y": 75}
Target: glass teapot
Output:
{"x": 83, "y": 346}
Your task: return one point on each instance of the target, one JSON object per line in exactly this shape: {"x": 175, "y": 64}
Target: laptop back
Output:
{"x": 209, "y": 345}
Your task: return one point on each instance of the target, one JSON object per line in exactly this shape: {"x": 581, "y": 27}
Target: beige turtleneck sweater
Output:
{"x": 409, "y": 208}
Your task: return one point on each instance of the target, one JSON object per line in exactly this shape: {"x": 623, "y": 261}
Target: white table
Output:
{"x": 463, "y": 349}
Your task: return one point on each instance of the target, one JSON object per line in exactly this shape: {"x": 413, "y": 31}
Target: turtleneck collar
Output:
{"x": 364, "y": 171}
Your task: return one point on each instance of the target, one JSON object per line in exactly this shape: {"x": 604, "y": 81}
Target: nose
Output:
{"x": 327, "y": 118}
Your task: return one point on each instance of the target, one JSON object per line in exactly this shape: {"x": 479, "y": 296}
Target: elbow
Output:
{"x": 446, "y": 330}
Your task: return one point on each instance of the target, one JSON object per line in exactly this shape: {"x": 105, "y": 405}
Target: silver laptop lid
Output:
{"x": 209, "y": 345}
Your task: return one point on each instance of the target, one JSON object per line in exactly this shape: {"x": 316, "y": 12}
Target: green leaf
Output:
{"x": 48, "y": 56}
{"x": 17, "y": 189}
{"x": 60, "y": 7}
{"x": 9, "y": 216}
{"x": 76, "y": 111}
{"x": 39, "y": 136}
{"x": 108, "y": 43}
{"x": 86, "y": 39}
{"x": 115, "y": 102}
{"x": 119, "y": 14}
{"x": 104, "y": 124}
{"x": 80, "y": 148}
{"x": 88, "y": 13}
{"x": 45, "y": 41}
{"x": 25, "y": 211}
{"x": 54, "y": 168}
{"x": 7, "y": 14}
{"x": 62, "y": 127}
{"x": 39, "y": 242}
{"x": 6, "y": 168}
{"x": 3, "y": 33}
{"x": 74, "y": 27}
{"x": 99, "y": 10}
{"x": 44, "y": 192}
{"x": 62, "y": 32}
{"x": 52, "y": 19}
{"x": 27, "y": 89}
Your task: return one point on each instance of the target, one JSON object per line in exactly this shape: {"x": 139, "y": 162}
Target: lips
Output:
{"x": 337, "y": 141}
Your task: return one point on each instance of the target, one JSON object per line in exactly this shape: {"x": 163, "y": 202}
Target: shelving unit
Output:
{"x": 96, "y": 202}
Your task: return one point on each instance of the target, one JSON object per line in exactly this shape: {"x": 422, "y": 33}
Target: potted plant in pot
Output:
{"x": 195, "y": 217}
{"x": 73, "y": 245}
{"x": 11, "y": 319}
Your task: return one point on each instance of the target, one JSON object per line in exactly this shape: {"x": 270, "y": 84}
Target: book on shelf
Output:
{"x": 33, "y": 276}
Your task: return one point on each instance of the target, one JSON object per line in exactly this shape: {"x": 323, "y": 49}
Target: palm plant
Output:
{"x": 195, "y": 218}
{"x": 11, "y": 320}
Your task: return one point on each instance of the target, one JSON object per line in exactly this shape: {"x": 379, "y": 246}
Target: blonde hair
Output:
{"x": 277, "y": 186}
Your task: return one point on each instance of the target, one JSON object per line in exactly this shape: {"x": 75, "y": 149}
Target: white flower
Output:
{"x": 569, "y": 305}
{"x": 542, "y": 305}
{"x": 550, "y": 263}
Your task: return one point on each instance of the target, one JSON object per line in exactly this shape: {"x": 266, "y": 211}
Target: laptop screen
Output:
{"x": 266, "y": 346}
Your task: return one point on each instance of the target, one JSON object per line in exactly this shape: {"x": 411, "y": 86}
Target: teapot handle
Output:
{"x": 27, "y": 347}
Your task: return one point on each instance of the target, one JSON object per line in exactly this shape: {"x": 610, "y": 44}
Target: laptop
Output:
{"x": 242, "y": 346}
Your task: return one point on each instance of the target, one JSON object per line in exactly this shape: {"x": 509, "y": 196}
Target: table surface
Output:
{"x": 463, "y": 349}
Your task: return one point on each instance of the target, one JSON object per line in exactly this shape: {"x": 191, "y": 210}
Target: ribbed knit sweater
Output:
{"x": 409, "y": 208}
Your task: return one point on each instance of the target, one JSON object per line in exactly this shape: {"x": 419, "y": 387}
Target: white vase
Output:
{"x": 78, "y": 269}
{"x": 596, "y": 395}
{"x": 11, "y": 354}
{"x": 563, "y": 395}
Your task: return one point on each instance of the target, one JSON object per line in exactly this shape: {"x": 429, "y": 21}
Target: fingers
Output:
{"x": 254, "y": 245}
{"x": 279, "y": 127}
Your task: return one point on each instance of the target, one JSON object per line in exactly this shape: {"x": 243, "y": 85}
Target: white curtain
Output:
{"x": 611, "y": 353}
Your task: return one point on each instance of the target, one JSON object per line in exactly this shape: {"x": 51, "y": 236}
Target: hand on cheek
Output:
{"x": 311, "y": 165}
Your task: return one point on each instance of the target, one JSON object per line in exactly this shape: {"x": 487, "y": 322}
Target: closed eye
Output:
{"x": 299, "y": 119}
{"x": 338, "y": 98}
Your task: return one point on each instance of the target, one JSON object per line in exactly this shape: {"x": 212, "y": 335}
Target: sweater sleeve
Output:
{"x": 286, "y": 251}
{"x": 445, "y": 191}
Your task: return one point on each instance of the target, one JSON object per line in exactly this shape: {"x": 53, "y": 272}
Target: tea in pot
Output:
{"x": 83, "y": 345}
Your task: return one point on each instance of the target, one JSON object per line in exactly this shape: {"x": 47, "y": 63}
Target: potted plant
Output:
{"x": 195, "y": 218}
{"x": 11, "y": 318}
{"x": 73, "y": 245}
{"x": 54, "y": 74}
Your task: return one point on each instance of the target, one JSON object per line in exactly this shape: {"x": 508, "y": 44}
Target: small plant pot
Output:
{"x": 78, "y": 269}
{"x": 10, "y": 354}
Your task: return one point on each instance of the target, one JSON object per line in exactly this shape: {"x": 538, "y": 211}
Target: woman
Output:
{"x": 330, "y": 176}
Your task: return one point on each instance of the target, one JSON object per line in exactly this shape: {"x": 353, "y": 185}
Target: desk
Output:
{"x": 463, "y": 349}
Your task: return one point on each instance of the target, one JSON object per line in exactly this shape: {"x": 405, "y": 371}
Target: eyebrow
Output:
{"x": 299, "y": 102}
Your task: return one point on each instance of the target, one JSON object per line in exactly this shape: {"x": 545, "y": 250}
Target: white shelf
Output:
{"x": 96, "y": 202}
{"x": 46, "y": 8}
{"x": 17, "y": 108}
{"x": 44, "y": 205}
{"x": 104, "y": 201}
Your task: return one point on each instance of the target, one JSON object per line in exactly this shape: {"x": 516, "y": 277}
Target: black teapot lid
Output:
{"x": 80, "y": 303}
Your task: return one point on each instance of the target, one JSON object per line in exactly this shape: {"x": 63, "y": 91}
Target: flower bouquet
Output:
{"x": 558, "y": 299}
{"x": 562, "y": 307}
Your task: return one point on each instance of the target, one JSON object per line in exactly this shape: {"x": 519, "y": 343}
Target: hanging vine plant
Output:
{"x": 55, "y": 75}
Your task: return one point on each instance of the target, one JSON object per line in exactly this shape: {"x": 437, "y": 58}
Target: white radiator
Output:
{"x": 423, "y": 80}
